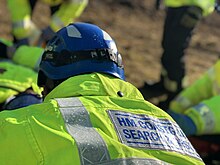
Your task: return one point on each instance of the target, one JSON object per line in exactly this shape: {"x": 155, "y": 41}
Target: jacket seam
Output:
{"x": 33, "y": 139}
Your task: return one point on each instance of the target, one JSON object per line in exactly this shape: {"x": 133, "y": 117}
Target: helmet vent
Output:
{"x": 72, "y": 31}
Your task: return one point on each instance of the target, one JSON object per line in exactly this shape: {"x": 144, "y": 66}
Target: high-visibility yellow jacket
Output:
{"x": 18, "y": 74}
{"x": 15, "y": 79}
{"x": 20, "y": 12}
{"x": 85, "y": 120}
{"x": 28, "y": 56}
{"x": 206, "y": 5}
{"x": 201, "y": 101}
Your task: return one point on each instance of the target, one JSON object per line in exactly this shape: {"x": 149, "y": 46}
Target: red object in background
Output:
{"x": 207, "y": 148}
{"x": 204, "y": 146}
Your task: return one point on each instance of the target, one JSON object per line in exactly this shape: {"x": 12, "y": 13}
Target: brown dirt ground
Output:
{"x": 137, "y": 30}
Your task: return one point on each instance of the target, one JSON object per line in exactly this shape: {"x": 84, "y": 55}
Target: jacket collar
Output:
{"x": 94, "y": 84}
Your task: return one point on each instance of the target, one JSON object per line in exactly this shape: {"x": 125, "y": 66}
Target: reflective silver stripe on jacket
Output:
{"x": 57, "y": 22}
{"x": 91, "y": 146}
{"x": 25, "y": 23}
{"x": 207, "y": 117}
{"x": 18, "y": 24}
{"x": 135, "y": 161}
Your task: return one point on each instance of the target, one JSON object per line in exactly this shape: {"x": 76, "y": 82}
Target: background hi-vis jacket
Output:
{"x": 18, "y": 75}
{"x": 28, "y": 56}
{"x": 20, "y": 11}
{"x": 85, "y": 120}
{"x": 15, "y": 79}
{"x": 201, "y": 101}
{"x": 206, "y": 5}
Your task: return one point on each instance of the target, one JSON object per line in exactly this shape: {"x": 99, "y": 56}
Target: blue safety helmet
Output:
{"x": 80, "y": 48}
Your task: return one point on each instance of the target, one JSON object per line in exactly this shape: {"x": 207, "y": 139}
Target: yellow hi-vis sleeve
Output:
{"x": 206, "y": 116}
{"x": 15, "y": 79}
{"x": 67, "y": 13}
{"x": 198, "y": 91}
{"x": 20, "y": 12}
{"x": 28, "y": 56}
{"x": 6, "y": 42}
{"x": 207, "y": 6}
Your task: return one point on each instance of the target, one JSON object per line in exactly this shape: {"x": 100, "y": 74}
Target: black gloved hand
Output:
{"x": 23, "y": 41}
{"x": 3, "y": 50}
{"x": 157, "y": 4}
{"x": 217, "y": 6}
{"x": 47, "y": 34}
{"x": 164, "y": 105}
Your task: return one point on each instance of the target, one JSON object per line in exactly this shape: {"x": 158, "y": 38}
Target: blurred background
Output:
{"x": 137, "y": 29}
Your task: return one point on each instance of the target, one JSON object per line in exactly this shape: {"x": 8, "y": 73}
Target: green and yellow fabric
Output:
{"x": 67, "y": 13}
{"x": 17, "y": 74}
{"x": 200, "y": 101}
{"x": 15, "y": 79}
{"x": 207, "y": 6}
{"x": 21, "y": 14}
{"x": 28, "y": 56}
{"x": 86, "y": 120}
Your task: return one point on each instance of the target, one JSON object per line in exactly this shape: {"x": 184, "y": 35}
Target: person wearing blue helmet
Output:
{"x": 90, "y": 114}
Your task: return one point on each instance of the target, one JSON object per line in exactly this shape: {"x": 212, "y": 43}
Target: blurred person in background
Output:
{"x": 201, "y": 102}
{"x": 182, "y": 16}
{"x": 25, "y": 31}
{"x": 90, "y": 114}
{"x": 18, "y": 76}
{"x": 197, "y": 111}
